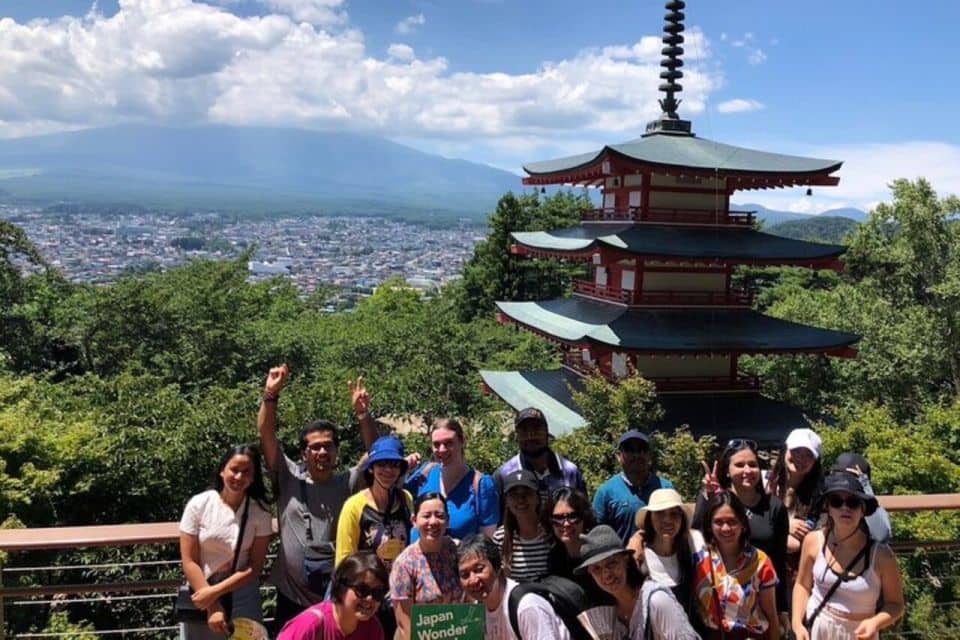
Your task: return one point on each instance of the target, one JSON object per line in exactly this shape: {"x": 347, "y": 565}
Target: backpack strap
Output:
{"x": 647, "y": 629}
{"x": 476, "y": 492}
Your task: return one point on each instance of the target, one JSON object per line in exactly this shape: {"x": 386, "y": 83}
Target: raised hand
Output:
{"x": 359, "y": 397}
{"x": 413, "y": 460}
{"x": 711, "y": 482}
{"x": 276, "y": 378}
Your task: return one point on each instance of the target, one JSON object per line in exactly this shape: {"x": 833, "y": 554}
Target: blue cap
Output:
{"x": 386, "y": 449}
{"x": 633, "y": 435}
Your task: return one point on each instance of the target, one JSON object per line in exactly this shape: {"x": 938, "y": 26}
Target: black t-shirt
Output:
{"x": 769, "y": 528}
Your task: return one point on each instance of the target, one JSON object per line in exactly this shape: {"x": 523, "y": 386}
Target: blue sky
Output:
{"x": 510, "y": 81}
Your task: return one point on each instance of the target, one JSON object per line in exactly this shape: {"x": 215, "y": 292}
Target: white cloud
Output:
{"x": 409, "y": 24}
{"x": 401, "y": 52}
{"x": 183, "y": 62}
{"x": 739, "y": 105}
{"x": 757, "y": 56}
{"x": 318, "y": 12}
{"x": 867, "y": 171}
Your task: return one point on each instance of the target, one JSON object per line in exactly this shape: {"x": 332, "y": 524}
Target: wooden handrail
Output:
{"x": 120, "y": 535}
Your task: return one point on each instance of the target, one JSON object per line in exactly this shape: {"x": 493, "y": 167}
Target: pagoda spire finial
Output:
{"x": 672, "y": 51}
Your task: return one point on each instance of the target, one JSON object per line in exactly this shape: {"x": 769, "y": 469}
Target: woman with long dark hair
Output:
{"x": 642, "y": 609}
{"x": 668, "y": 546}
{"x": 358, "y": 587}
{"x": 224, "y": 534}
{"x": 795, "y": 480}
{"x": 843, "y": 572}
{"x": 735, "y": 582}
{"x": 738, "y": 471}
{"x": 523, "y": 539}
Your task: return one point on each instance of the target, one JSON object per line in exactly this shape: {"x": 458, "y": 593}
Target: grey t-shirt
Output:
{"x": 324, "y": 501}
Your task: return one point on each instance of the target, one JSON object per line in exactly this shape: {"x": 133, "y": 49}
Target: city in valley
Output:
{"x": 350, "y": 254}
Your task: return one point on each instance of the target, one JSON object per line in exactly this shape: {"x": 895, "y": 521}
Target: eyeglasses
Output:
{"x": 852, "y": 502}
{"x": 317, "y": 447}
{"x": 564, "y": 518}
{"x": 365, "y": 591}
{"x": 742, "y": 443}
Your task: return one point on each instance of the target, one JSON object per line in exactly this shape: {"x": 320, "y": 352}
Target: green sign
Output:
{"x": 443, "y": 621}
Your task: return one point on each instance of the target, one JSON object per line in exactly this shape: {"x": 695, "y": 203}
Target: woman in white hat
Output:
{"x": 667, "y": 545}
{"x": 843, "y": 572}
{"x": 643, "y": 609}
{"x": 795, "y": 479}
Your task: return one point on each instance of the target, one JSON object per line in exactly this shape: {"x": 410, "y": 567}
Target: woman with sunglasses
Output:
{"x": 224, "y": 533}
{"x": 570, "y": 515}
{"x": 843, "y": 573}
{"x": 378, "y": 518}
{"x": 523, "y": 539}
{"x": 426, "y": 571}
{"x": 738, "y": 471}
{"x": 735, "y": 582}
{"x": 358, "y": 587}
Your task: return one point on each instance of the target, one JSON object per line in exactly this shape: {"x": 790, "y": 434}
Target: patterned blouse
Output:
{"x": 426, "y": 578}
{"x": 733, "y": 597}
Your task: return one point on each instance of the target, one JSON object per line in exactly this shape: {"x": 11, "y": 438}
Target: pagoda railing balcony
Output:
{"x": 574, "y": 360}
{"x": 708, "y": 384}
{"x": 698, "y": 216}
{"x": 732, "y": 298}
{"x": 610, "y": 213}
{"x": 669, "y": 215}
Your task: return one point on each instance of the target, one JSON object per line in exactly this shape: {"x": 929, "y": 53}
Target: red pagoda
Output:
{"x": 661, "y": 300}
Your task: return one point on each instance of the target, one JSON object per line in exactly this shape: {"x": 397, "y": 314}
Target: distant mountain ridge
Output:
{"x": 248, "y": 168}
{"x": 773, "y": 216}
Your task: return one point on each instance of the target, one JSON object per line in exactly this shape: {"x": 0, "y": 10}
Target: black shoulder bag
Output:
{"x": 808, "y": 621}
{"x": 184, "y": 610}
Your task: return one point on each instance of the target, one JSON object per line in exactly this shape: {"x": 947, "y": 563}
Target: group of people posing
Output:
{"x": 760, "y": 554}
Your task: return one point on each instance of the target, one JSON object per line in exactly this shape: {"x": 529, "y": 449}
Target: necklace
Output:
{"x": 836, "y": 543}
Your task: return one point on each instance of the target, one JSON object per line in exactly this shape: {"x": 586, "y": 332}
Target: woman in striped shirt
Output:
{"x": 524, "y": 542}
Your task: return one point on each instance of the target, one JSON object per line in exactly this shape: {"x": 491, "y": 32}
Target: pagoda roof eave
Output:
{"x": 724, "y": 416}
{"x": 582, "y": 321}
{"x": 689, "y": 155}
{"x": 734, "y": 245}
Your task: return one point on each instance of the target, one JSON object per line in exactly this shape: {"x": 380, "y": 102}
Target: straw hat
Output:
{"x": 661, "y": 500}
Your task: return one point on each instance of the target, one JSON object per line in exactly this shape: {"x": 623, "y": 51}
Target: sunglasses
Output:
{"x": 851, "y": 502}
{"x": 565, "y": 518}
{"x": 742, "y": 443}
{"x": 365, "y": 591}
{"x": 393, "y": 464}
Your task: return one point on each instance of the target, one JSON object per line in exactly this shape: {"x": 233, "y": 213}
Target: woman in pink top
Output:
{"x": 358, "y": 587}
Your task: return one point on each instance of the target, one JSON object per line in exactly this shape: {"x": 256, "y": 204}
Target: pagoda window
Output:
{"x": 619, "y": 364}
{"x": 633, "y": 180}
{"x": 636, "y": 198}
{"x": 661, "y": 281}
{"x": 609, "y": 200}
{"x": 585, "y": 355}
{"x": 601, "y": 277}
{"x": 628, "y": 279}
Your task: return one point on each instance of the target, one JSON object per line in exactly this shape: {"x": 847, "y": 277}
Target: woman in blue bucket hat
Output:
{"x": 378, "y": 518}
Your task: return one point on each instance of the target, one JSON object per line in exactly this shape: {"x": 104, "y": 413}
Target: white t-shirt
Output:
{"x": 217, "y": 526}
{"x": 535, "y": 617}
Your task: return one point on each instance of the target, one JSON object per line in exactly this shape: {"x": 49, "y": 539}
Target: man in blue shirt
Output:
{"x": 619, "y": 498}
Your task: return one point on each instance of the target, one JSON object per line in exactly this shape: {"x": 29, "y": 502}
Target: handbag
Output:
{"x": 809, "y": 620}
{"x": 184, "y": 610}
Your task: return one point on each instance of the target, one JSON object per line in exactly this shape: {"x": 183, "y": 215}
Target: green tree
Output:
{"x": 494, "y": 273}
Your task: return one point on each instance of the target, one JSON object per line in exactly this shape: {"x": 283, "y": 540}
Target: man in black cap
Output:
{"x": 618, "y": 499}
{"x": 552, "y": 470}
{"x": 879, "y": 521}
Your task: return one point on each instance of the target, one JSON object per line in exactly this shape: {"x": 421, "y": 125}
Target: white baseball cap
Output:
{"x": 804, "y": 439}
